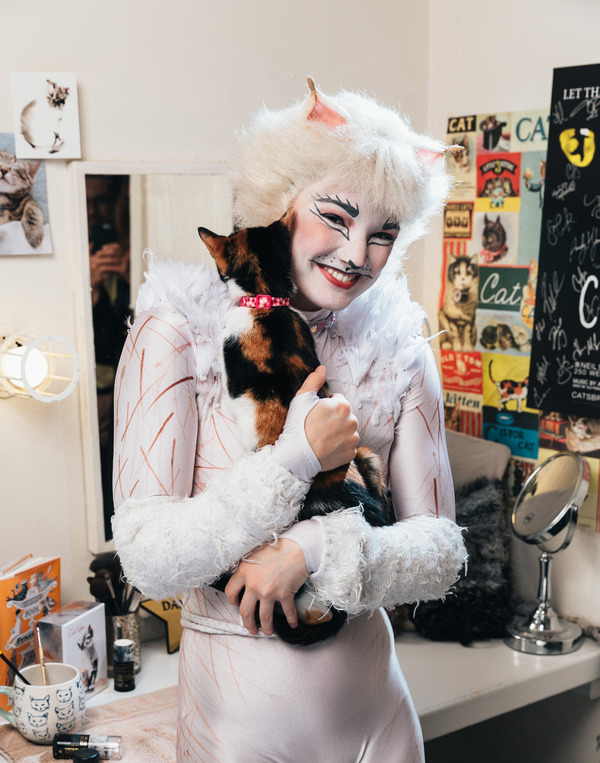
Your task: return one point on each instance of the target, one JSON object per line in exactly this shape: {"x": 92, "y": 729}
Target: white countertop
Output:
{"x": 455, "y": 686}
{"x": 452, "y": 686}
{"x": 159, "y": 671}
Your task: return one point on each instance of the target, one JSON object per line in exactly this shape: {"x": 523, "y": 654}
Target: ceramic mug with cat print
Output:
{"x": 39, "y": 712}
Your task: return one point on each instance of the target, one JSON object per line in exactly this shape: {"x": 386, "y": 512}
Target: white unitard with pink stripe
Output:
{"x": 190, "y": 504}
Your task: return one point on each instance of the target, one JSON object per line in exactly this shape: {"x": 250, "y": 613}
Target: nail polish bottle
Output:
{"x": 123, "y": 665}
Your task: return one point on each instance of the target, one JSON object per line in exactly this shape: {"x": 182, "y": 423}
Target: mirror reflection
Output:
{"x": 107, "y": 204}
{"x": 125, "y": 210}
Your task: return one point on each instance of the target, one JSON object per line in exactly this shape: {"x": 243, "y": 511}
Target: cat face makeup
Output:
{"x": 340, "y": 244}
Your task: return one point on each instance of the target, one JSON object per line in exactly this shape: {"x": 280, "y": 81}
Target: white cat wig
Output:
{"x": 351, "y": 137}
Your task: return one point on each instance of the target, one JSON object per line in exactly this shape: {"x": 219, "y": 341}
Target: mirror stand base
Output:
{"x": 548, "y": 635}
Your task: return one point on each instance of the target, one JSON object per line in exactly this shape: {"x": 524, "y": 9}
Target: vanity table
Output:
{"x": 452, "y": 686}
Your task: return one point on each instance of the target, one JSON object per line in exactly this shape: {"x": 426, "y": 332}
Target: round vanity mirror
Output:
{"x": 545, "y": 514}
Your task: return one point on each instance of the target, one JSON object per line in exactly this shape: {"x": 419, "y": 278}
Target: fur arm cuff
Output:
{"x": 171, "y": 545}
{"x": 364, "y": 567}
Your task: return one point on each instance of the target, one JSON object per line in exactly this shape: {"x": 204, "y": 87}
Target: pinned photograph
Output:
{"x": 24, "y": 226}
{"x": 46, "y": 115}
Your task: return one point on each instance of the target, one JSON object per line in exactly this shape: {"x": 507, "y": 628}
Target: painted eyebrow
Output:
{"x": 345, "y": 205}
{"x": 389, "y": 225}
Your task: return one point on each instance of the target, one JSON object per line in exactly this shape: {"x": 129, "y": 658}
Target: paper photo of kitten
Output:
{"x": 45, "y": 115}
{"x": 24, "y": 225}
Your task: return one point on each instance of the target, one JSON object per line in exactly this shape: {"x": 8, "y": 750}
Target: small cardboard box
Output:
{"x": 76, "y": 634}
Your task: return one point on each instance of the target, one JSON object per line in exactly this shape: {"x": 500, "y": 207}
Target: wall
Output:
{"x": 159, "y": 82}
{"x": 480, "y": 59}
{"x": 484, "y": 55}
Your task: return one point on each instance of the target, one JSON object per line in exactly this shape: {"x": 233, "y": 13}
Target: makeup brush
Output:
{"x": 13, "y": 667}
{"x": 109, "y": 584}
{"x": 42, "y": 663}
{"x": 101, "y": 592}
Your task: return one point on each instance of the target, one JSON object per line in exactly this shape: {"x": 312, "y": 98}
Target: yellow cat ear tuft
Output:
{"x": 317, "y": 110}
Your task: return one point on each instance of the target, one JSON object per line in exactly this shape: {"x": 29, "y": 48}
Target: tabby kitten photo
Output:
{"x": 267, "y": 355}
{"x": 457, "y": 315}
{"x": 16, "y": 202}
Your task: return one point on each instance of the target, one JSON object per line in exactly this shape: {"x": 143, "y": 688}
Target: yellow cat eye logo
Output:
{"x": 578, "y": 145}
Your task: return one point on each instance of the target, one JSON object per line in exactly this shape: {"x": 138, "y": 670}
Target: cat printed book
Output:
{"x": 76, "y": 634}
{"x": 29, "y": 590}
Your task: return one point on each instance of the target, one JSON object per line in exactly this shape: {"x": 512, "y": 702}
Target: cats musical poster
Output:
{"x": 45, "y": 115}
{"x": 24, "y": 223}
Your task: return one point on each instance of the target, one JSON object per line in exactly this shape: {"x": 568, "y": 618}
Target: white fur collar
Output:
{"x": 380, "y": 331}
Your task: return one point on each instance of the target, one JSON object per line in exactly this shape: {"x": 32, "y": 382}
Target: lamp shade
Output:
{"x": 45, "y": 368}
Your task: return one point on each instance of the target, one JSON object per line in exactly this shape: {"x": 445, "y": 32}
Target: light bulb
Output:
{"x": 20, "y": 362}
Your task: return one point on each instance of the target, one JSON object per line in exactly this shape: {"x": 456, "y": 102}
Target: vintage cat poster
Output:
{"x": 45, "y": 115}
{"x": 24, "y": 224}
{"x": 490, "y": 275}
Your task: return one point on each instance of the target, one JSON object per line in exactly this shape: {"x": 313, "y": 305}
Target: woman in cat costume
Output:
{"x": 361, "y": 186}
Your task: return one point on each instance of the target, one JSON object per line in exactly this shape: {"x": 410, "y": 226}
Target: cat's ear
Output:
{"x": 216, "y": 248}
{"x": 287, "y": 219}
{"x": 33, "y": 167}
{"x": 317, "y": 109}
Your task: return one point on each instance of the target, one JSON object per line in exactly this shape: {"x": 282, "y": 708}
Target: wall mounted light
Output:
{"x": 45, "y": 368}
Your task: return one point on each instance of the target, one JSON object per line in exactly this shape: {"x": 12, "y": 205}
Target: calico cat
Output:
{"x": 41, "y": 121}
{"x": 16, "y": 201}
{"x": 457, "y": 315}
{"x": 268, "y": 350}
{"x": 508, "y": 389}
{"x": 493, "y": 240}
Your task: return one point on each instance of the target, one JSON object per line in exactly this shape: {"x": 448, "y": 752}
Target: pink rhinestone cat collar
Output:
{"x": 264, "y": 302}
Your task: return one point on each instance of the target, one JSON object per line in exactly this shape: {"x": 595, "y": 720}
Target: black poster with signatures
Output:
{"x": 565, "y": 358}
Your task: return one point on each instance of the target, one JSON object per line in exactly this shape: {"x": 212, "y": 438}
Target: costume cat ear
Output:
{"x": 317, "y": 109}
{"x": 427, "y": 157}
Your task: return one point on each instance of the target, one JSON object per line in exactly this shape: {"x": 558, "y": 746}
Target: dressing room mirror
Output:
{"x": 122, "y": 211}
{"x": 545, "y": 515}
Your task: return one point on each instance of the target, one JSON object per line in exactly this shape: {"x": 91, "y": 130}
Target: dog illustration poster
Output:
{"x": 45, "y": 115}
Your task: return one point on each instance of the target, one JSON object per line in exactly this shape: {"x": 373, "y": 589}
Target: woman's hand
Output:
{"x": 330, "y": 427}
{"x": 273, "y": 572}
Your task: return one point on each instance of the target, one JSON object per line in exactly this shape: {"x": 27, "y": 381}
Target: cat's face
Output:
{"x": 463, "y": 272}
{"x": 253, "y": 260}
{"x": 56, "y": 94}
{"x": 340, "y": 244}
{"x": 14, "y": 174}
{"x": 494, "y": 235}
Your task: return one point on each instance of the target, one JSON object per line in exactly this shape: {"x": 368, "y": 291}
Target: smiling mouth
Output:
{"x": 336, "y": 277}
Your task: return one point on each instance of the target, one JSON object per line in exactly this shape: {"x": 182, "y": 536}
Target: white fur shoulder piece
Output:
{"x": 197, "y": 292}
{"x": 381, "y": 334}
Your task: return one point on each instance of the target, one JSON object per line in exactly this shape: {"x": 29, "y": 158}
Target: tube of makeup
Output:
{"x": 64, "y": 746}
